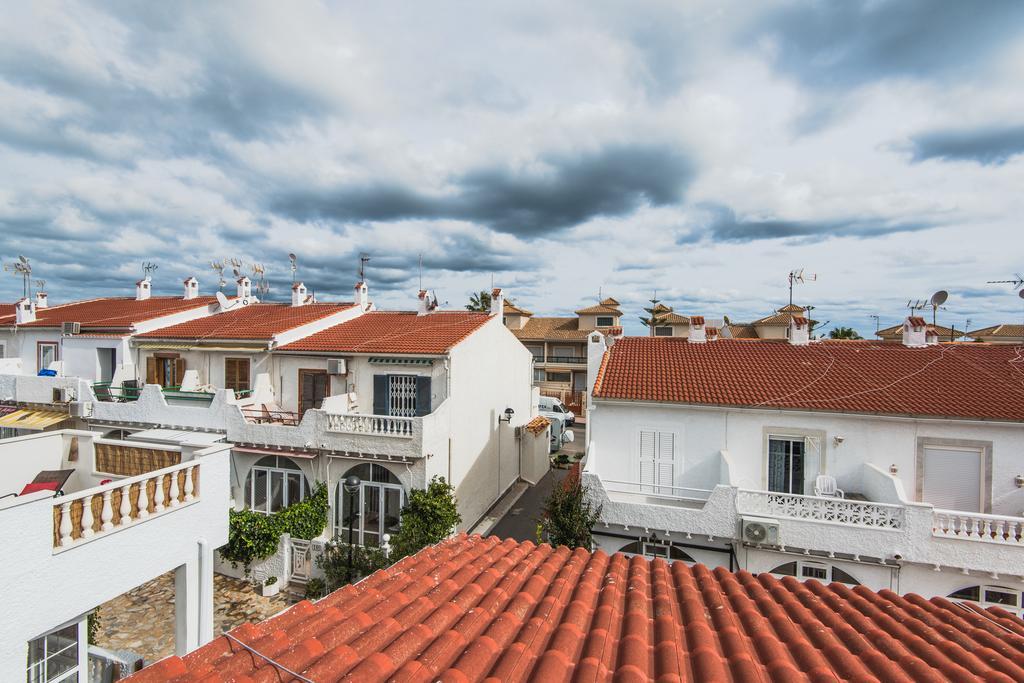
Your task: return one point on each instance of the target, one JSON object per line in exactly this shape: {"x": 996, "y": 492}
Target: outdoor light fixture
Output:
{"x": 508, "y": 415}
{"x": 352, "y": 484}
{"x": 1019, "y": 481}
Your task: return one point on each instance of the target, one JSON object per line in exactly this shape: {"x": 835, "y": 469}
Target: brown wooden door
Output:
{"x": 313, "y": 389}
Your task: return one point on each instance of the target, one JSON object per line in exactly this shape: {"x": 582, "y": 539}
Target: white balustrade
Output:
{"x": 821, "y": 509}
{"x": 376, "y": 425}
{"x": 978, "y": 527}
{"x": 68, "y": 533}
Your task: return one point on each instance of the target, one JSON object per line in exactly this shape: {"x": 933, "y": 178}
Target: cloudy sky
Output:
{"x": 702, "y": 149}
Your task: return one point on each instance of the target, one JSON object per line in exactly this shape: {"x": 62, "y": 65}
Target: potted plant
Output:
{"x": 270, "y": 587}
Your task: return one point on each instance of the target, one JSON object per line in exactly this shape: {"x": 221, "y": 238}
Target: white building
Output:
{"x": 84, "y": 519}
{"x": 723, "y": 452}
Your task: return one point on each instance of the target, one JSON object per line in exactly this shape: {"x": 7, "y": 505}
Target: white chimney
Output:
{"x": 799, "y": 331}
{"x": 191, "y": 288}
{"x": 497, "y": 302}
{"x": 697, "y": 332}
{"x": 931, "y": 336}
{"x": 596, "y": 347}
{"x": 24, "y": 312}
{"x": 424, "y": 307}
{"x": 298, "y": 294}
{"x": 915, "y": 332}
{"x": 41, "y": 300}
{"x": 362, "y": 295}
{"x": 143, "y": 289}
{"x": 711, "y": 332}
{"x": 244, "y": 287}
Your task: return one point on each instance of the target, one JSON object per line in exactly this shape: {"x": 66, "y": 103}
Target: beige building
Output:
{"x": 895, "y": 333}
{"x": 774, "y": 326}
{"x": 999, "y": 334}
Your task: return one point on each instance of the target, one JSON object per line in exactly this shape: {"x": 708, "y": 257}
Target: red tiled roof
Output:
{"x": 600, "y": 309}
{"x": 896, "y": 331}
{"x": 112, "y": 312}
{"x": 696, "y": 320}
{"x": 537, "y": 425}
{"x": 255, "y": 321}
{"x": 983, "y": 381}
{"x": 916, "y": 321}
{"x": 394, "y": 332}
{"x": 800, "y": 321}
{"x": 475, "y": 609}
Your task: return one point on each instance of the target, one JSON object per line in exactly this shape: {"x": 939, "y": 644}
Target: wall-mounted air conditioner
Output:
{"x": 336, "y": 366}
{"x": 82, "y": 409}
{"x": 68, "y": 329}
{"x": 759, "y": 530}
{"x": 63, "y": 395}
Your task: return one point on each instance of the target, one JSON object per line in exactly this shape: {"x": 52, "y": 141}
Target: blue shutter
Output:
{"x": 380, "y": 394}
{"x": 422, "y": 396}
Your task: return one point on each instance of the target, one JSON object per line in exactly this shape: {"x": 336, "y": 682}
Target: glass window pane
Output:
{"x": 276, "y": 490}
{"x": 788, "y": 569}
{"x": 1000, "y": 597}
{"x": 259, "y": 499}
{"x": 294, "y": 488}
{"x": 371, "y": 515}
{"x": 971, "y": 593}
{"x": 392, "y": 510}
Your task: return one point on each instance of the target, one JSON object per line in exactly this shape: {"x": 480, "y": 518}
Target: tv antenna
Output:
{"x": 421, "y": 274}
{"x": 1017, "y": 281}
{"x": 877, "y": 320}
{"x": 915, "y": 305}
{"x": 23, "y": 268}
{"x": 293, "y": 259}
{"x": 41, "y": 285}
{"x": 258, "y": 272}
{"x": 218, "y": 267}
{"x": 796, "y": 276}
{"x": 363, "y": 260}
{"x": 938, "y": 298}
{"x": 148, "y": 268}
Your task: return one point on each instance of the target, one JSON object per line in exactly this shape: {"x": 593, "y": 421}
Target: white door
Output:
{"x": 657, "y": 462}
{"x": 952, "y": 478}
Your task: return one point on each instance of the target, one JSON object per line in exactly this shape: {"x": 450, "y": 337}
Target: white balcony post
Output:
{"x": 189, "y": 487}
{"x": 126, "y": 506}
{"x": 108, "y": 513}
{"x": 142, "y": 511}
{"x": 174, "y": 492}
{"x": 87, "y": 518}
{"x": 65, "y": 524}
{"x": 158, "y": 494}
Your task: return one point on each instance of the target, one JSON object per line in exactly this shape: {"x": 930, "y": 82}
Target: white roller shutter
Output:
{"x": 951, "y": 479}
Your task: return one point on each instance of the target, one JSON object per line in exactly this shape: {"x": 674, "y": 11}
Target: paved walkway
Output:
{"x": 142, "y": 620}
{"x": 520, "y": 522}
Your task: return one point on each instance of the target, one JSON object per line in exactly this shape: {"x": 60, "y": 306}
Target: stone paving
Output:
{"x": 142, "y": 620}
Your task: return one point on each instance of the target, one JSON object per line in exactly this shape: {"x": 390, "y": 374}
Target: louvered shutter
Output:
{"x": 422, "y": 396}
{"x": 665, "y": 467}
{"x": 648, "y": 448}
{"x": 952, "y": 479}
{"x": 151, "y": 370}
{"x": 380, "y": 394}
{"x": 179, "y": 371}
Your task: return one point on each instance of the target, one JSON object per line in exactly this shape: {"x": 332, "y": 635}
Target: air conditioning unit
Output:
{"x": 63, "y": 395}
{"x": 759, "y": 531}
{"x": 336, "y": 366}
{"x": 67, "y": 329}
{"x": 81, "y": 409}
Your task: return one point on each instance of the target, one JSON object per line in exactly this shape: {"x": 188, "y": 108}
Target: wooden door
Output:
{"x": 313, "y": 389}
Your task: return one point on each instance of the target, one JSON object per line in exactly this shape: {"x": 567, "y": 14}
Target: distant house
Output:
{"x": 999, "y": 334}
{"x": 774, "y": 326}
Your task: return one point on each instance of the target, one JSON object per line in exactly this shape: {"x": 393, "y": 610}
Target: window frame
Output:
{"x": 75, "y": 670}
{"x": 230, "y": 383}
{"x": 268, "y": 472}
{"x": 663, "y": 331}
{"x": 801, "y": 567}
{"x": 609, "y": 318}
{"x": 40, "y": 345}
{"x": 791, "y": 439}
{"x": 567, "y": 373}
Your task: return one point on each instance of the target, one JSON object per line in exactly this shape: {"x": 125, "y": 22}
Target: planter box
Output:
{"x": 269, "y": 591}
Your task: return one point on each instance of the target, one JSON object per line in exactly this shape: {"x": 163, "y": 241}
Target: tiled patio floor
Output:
{"x": 142, "y": 620}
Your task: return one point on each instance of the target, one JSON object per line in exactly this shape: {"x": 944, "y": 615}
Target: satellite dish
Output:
{"x": 22, "y": 259}
{"x": 1021, "y": 294}
{"x": 222, "y": 300}
{"x": 939, "y": 298}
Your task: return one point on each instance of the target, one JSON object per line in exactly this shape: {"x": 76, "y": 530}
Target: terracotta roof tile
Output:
{"x": 395, "y": 332}
{"x": 896, "y": 331}
{"x": 112, "y": 312}
{"x": 255, "y": 321}
{"x": 945, "y": 380}
{"x": 1002, "y": 330}
{"x": 537, "y": 425}
{"x": 696, "y": 320}
{"x": 599, "y": 309}
{"x": 510, "y": 307}
{"x": 537, "y": 329}
{"x": 475, "y": 609}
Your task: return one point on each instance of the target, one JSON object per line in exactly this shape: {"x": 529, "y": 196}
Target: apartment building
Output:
{"x": 892, "y": 465}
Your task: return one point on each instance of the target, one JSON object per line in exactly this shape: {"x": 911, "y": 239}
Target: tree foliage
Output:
{"x": 844, "y": 333}
{"x": 568, "y": 515}
{"x": 335, "y": 558}
{"x": 656, "y": 316}
{"x": 254, "y": 536}
{"x": 480, "y": 301}
{"x": 430, "y": 516}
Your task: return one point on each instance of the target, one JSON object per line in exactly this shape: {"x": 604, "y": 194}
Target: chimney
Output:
{"x": 298, "y": 294}
{"x": 143, "y": 289}
{"x": 711, "y": 333}
{"x": 424, "y": 306}
{"x": 799, "y": 331}
{"x": 191, "y": 288}
{"x": 915, "y": 332}
{"x": 24, "y": 312}
{"x": 698, "y": 335}
{"x": 362, "y": 296}
{"x": 497, "y": 302}
{"x": 244, "y": 287}
{"x": 41, "y": 300}
{"x": 931, "y": 336}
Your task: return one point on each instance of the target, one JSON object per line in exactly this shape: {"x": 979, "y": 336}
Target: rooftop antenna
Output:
{"x": 938, "y": 298}
{"x": 796, "y": 276}
{"x": 421, "y": 273}
{"x": 363, "y": 260}
{"x": 41, "y": 285}
{"x": 258, "y": 272}
{"x": 1017, "y": 281}
{"x": 148, "y": 268}
{"x": 915, "y": 305}
{"x": 294, "y": 265}
{"x": 23, "y": 268}
{"x": 877, "y": 319}
{"x": 218, "y": 267}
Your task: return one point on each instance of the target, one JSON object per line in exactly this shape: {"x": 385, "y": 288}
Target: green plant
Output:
{"x": 479, "y": 302}
{"x": 562, "y": 458}
{"x": 568, "y": 516}
{"x": 844, "y": 333}
{"x": 315, "y": 589}
{"x": 429, "y": 516}
{"x": 93, "y": 624}
{"x": 335, "y": 557}
{"x": 307, "y": 518}
{"x": 270, "y": 581}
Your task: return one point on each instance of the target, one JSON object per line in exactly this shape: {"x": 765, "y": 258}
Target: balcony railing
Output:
{"x": 678, "y": 493}
{"x": 820, "y": 509}
{"x": 263, "y": 415}
{"x": 377, "y": 425}
{"x": 105, "y": 391}
{"x": 566, "y": 360}
{"x": 978, "y": 527}
{"x": 82, "y": 516}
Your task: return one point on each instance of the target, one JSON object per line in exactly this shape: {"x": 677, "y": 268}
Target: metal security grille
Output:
{"x": 402, "y": 395}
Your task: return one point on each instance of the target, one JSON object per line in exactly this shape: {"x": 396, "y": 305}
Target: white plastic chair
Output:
{"x": 825, "y": 485}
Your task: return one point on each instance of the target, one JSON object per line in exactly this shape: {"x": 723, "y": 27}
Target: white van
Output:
{"x": 552, "y": 407}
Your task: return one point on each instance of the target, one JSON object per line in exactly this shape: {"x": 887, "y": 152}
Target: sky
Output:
{"x": 561, "y": 151}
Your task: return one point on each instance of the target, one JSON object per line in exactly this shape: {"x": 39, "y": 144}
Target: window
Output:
{"x": 54, "y": 657}
{"x": 106, "y": 362}
{"x": 605, "y": 321}
{"x": 665, "y": 551}
{"x": 274, "y": 483}
{"x": 313, "y": 389}
{"x": 401, "y": 395}
{"x": 537, "y": 351}
{"x": 539, "y": 375}
{"x": 657, "y": 452}
{"x": 3, "y": 349}
{"x": 819, "y": 571}
{"x": 988, "y": 596}
{"x": 165, "y": 369}
{"x": 952, "y": 478}
{"x": 564, "y": 377}
{"x": 236, "y": 374}
{"x": 662, "y": 331}
{"x": 46, "y": 353}
{"x": 785, "y": 465}
{"x": 375, "y": 509}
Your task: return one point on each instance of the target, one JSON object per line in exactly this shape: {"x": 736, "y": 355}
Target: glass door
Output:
{"x": 786, "y": 465}
{"x": 377, "y": 512}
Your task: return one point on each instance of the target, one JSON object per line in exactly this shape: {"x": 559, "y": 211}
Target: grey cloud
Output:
{"x": 988, "y": 146}
{"x": 568, "y": 191}
{"x": 835, "y": 44}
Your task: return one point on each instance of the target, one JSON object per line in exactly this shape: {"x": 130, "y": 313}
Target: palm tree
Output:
{"x": 844, "y": 333}
{"x": 479, "y": 302}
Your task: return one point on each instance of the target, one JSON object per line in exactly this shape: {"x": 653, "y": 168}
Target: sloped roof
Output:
{"x": 742, "y": 331}
{"x": 792, "y": 308}
{"x": 475, "y": 609}
{"x": 599, "y": 309}
{"x": 971, "y": 381}
{"x": 675, "y": 319}
{"x": 510, "y": 307}
{"x": 108, "y": 313}
{"x": 896, "y": 331}
{"x": 394, "y": 332}
{"x": 537, "y": 329}
{"x": 609, "y": 301}
{"x": 1002, "y": 330}
{"x": 255, "y": 321}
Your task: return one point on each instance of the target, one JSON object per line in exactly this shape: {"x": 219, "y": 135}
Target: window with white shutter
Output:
{"x": 657, "y": 451}
{"x": 951, "y": 478}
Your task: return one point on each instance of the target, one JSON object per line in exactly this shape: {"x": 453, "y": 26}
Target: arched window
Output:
{"x": 808, "y": 569}
{"x": 665, "y": 551}
{"x": 991, "y": 596}
{"x": 274, "y": 483}
{"x": 374, "y": 510}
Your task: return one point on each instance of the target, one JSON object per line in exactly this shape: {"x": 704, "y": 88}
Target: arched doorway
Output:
{"x": 819, "y": 571}
{"x": 377, "y": 506}
{"x": 663, "y": 550}
{"x": 274, "y": 483}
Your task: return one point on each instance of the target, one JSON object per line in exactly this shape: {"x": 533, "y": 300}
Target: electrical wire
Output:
{"x": 269, "y": 660}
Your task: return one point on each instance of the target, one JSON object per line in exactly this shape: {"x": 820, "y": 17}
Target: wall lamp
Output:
{"x": 508, "y": 415}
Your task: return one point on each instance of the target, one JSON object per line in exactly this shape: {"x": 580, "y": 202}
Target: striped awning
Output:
{"x": 402, "y": 361}
{"x": 163, "y": 346}
{"x": 32, "y": 419}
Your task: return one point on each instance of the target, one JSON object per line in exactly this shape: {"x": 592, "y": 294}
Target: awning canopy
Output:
{"x": 166, "y": 346}
{"x": 392, "y": 360}
{"x": 32, "y": 419}
{"x": 306, "y": 455}
{"x": 178, "y": 436}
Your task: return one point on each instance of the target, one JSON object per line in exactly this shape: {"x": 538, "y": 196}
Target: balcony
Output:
{"x": 377, "y": 425}
{"x": 564, "y": 360}
{"x": 820, "y": 509}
